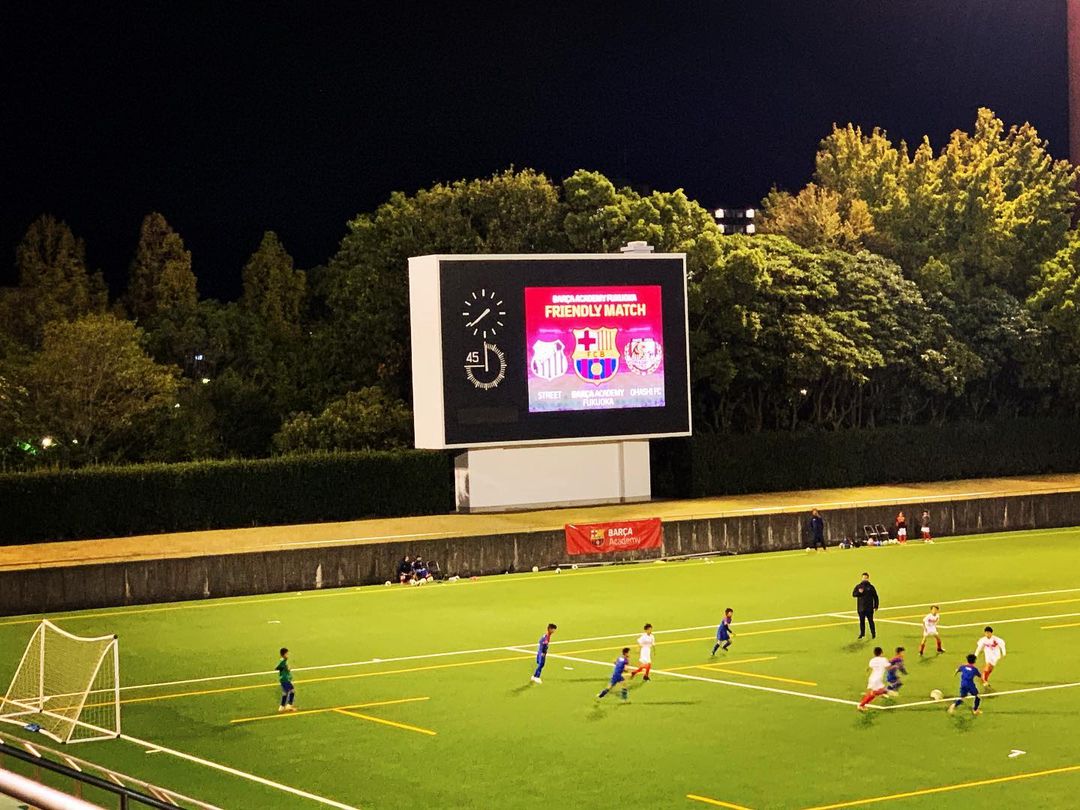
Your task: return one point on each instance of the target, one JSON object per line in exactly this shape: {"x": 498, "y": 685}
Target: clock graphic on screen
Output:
{"x": 483, "y": 313}
{"x": 487, "y": 368}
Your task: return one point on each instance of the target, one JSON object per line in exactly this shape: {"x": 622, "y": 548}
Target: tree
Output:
{"x": 160, "y": 279}
{"x": 817, "y": 217}
{"x": 54, "y": 283}
{"x": 365, "y": 340}
{"x": 91, "y": 382}
{"x": 273, "y": 288}
{"x": 367, "y": 419}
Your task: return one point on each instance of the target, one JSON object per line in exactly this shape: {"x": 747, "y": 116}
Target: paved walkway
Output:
{"x": 278, "y": 538}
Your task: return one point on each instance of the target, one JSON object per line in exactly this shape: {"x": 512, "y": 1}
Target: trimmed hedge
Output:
{"x": 729, "y": 464}
{"x": 157, "y": 498}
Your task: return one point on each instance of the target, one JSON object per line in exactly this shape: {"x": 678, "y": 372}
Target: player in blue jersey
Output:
{"x": 968, "y": 673}
{"x": 893, "y": 673}
{"x": 617, "y": 674}
{"x": 541, "y": 652}
{"x": 723, "y": 632}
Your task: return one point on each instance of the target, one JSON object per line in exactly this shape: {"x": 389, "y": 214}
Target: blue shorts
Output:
{"x": 966, "y": 691}
{"x": 286, "y": 687}
{"x": 723, "y": 636}
{"x": 616, "y": 680}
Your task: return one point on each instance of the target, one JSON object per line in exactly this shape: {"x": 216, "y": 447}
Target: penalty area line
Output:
{"x": 983, "y": 695}
{"x": 687, "y": 676}
{"x": 217, "y": 766}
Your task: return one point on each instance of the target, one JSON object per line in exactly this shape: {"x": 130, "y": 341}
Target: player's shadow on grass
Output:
{"x": 855, "y": 646}
{"x": 520, "y": 690}
{"x": 866, "y": 720}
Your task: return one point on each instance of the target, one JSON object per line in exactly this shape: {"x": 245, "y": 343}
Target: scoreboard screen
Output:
{"x": 594, "y": 348}
{"x": 537, "y": 349}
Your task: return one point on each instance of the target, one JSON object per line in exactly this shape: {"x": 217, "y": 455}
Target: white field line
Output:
{"x": 153, "y": 747}
{"x": 1008, "y": 621}
{"x": 632, "y": 634}
{"x": 689, "y": 677}
{"x": 983, "y": 695}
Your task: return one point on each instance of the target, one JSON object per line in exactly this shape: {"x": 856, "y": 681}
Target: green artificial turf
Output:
{"x": 502, "y": 742}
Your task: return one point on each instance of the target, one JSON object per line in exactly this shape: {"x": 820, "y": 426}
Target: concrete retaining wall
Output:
{"x": 177, "y": 579}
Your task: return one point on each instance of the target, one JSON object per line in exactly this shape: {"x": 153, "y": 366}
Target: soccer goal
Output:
{"x": 66, "y": 686}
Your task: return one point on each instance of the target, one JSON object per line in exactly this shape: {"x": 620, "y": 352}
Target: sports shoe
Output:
{"x": 976, "y": 711}
{"x": 952, "y": 708}
{"x": 534, "y": 679}
{"x": 280, "y": 709}
{"x": 645, "y": 678}
{"x": 290, "y": 708}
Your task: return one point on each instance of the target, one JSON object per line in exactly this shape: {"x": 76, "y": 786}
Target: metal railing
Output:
{"x": 130, "y": 793}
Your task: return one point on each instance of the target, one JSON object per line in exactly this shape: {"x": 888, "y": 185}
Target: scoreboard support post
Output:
{"x": 502, "y": 478}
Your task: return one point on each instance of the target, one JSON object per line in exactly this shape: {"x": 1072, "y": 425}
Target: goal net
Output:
{"x": 66, "y": 686}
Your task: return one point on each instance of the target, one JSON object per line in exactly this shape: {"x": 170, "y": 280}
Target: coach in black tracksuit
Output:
{"x": 868, "y": 603}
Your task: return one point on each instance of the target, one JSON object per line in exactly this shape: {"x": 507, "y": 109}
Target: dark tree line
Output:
{"x": 900, "y": 286}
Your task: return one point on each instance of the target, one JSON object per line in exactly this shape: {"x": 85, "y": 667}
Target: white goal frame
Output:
{"x": 20, "y": 705}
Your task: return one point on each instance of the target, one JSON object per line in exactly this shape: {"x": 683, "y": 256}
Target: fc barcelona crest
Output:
{"x": 596, "y": 358}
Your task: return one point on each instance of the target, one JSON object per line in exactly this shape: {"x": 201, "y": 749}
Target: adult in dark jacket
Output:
{"x": 816, "y": 527}
{"x": 867, "y": 603}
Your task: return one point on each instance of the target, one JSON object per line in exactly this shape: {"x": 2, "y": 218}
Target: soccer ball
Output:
{"x": 535, "y": 569}
{"x": 937, "y": 694}
{"x": 558, "y": 570}
{"x": 387, "y": 583}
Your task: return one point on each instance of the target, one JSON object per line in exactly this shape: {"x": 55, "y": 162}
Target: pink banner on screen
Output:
{"x": 594, "y": 348}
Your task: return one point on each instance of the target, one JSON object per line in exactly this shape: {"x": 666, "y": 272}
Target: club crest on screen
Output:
{"x": 643, "y": 355}
{"x": 549, "y": 360}
{"x": 596, "y": 357}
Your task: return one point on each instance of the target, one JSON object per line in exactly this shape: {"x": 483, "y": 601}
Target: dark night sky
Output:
{"x": 232, "y": 119}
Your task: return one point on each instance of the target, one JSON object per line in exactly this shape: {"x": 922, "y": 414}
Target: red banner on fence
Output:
{"x": 604, "y": 538}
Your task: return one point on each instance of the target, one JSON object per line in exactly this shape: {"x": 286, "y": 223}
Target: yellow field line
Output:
{"x": 329, "y": 709}
{"x": 994, "y": 607}
{"x": 1059, "y": 626}
{"x": 325, "y": 678}
{"x": 404, "y": 726}
{"x": 946, "y": 788}
{"x": 713, "y": 638}
{"x": 720, "y": 668}
{"x": 792, "y": 629}
{"x": 724, "y": 663}
{"x": 715, "y": 802}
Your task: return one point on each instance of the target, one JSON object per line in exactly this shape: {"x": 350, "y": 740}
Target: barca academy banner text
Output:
{"x": 604, "y": 538}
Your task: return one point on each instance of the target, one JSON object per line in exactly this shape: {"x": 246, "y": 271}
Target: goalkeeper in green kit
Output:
{"x": 288, "y": 693}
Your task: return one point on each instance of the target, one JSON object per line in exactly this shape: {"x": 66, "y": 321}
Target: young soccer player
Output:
{"x": 288, "y": 693}
{"x": 968, "y": 673}
{"x": 901, "y": 528}
{"x": 993, "y": 650}
{"x": 723, "y": 632}
{"x": 617, "y": 674}
{"x": 541, "y": 653}
{"x": 930, "y": 628}
{"x": 645, "y": 641}
{"x": 875, "y": 685}
{"x": 892, "y": 675}
{"x": 924, "y": 523}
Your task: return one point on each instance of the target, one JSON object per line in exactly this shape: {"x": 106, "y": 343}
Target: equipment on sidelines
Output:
{"x": 67, "y": 685}
{"x": 937, "y": 694}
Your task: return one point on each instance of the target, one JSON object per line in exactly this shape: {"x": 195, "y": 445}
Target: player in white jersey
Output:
{"x": 645, "y": 641}
{"x": 875, "y": 684}
{"x": 930, "y": 628}
{"x": 993, "y": 650}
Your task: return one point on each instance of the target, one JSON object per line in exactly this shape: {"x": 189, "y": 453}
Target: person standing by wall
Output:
{"x": 817, "y": 531}
{"x": 867, "y": 597}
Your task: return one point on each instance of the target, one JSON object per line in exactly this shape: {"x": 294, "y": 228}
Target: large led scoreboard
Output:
{"x": 547, "y": 349}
